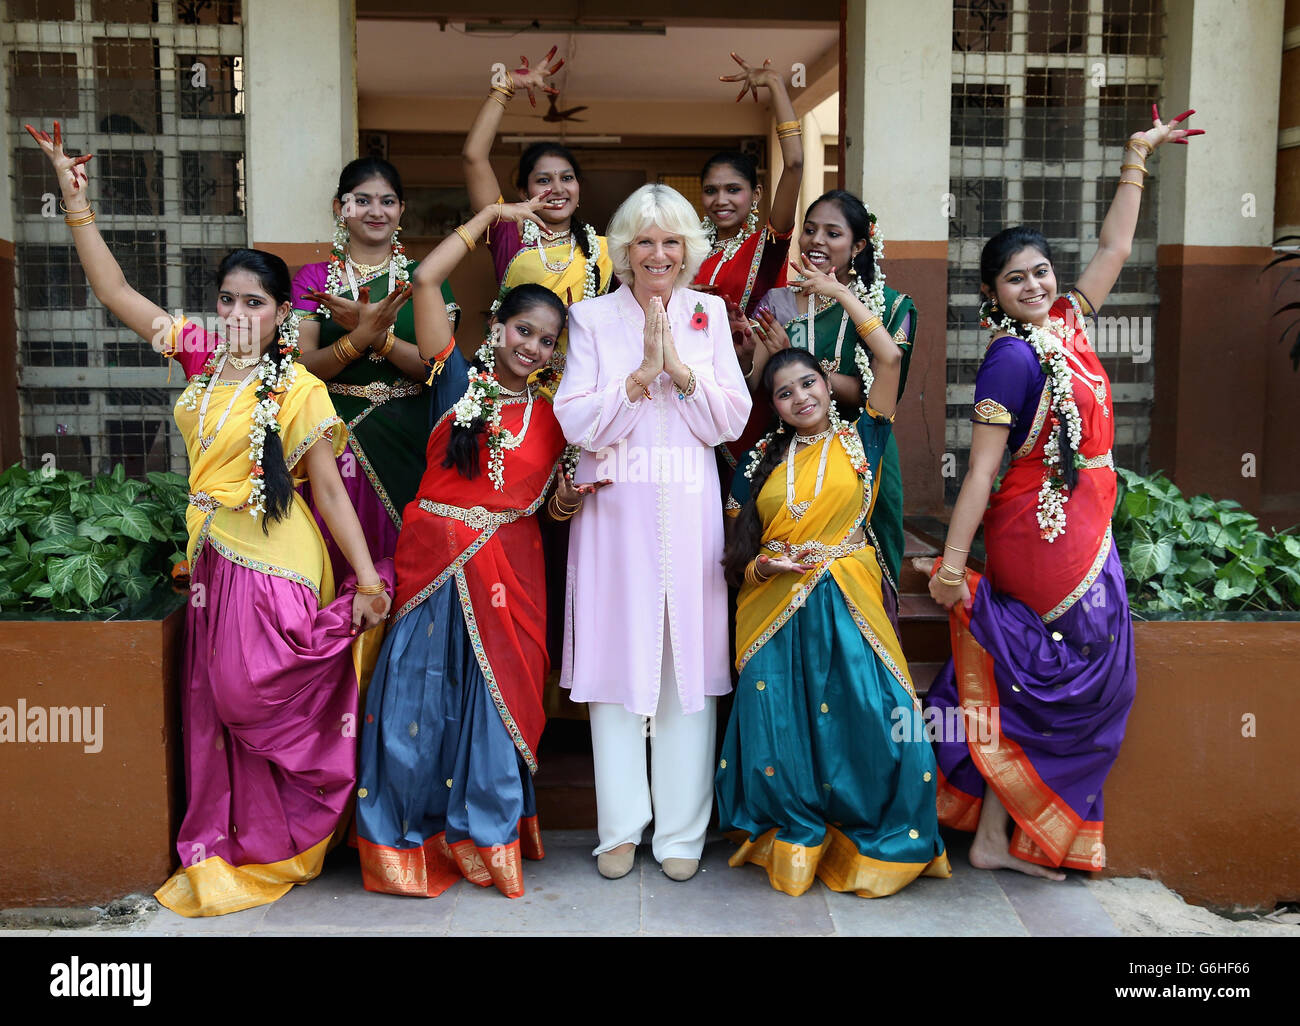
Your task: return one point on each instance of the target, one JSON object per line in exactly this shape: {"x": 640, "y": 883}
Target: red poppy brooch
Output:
{"x": 699, "y": 319}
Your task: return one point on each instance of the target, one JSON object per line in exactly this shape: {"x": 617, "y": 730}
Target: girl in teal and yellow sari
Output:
{"x": 816, "y": 777}
{"x": 840, "y": 236}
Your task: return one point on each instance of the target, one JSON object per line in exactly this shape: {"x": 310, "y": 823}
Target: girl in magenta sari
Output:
{"x": 269, "y": 700}
{"x": 1042, "y": 676}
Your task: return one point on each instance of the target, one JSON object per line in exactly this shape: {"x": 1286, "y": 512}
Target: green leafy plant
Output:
{"x": 1291, "y": 255}
{"x": 1197, "y": 555}
{"x": 70, "y": 544}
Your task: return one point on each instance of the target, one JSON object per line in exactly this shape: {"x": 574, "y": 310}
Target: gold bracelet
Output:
{"x": 390, "y": 340}
{"x": 952, "y": 584}
{"x": 785, "y": 126}
{"x": 641, "y": 385}
{"x": 466, "y": 237}
{"x": 867, "y": 327}
{"x": 344, "y": 350}
{"x": 79, "y": 221}
{"x": 1142, "y": 146}
{"x": 73, "y": 213}
{"x": 558, "y": 511}
{"x": 1126, "y": 181}
{"x": 1134, "y": 167}
{"x": 789, "y": 135}
{"x": 956, "y": 571}
{"x": 964, "y": 552}
{"x": 494, "y": 96}
{"x": 372, "y": 589}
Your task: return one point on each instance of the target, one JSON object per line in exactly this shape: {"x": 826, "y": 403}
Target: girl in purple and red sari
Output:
{"x": 269, "y": 689}
{"x": 1042, "y": 674}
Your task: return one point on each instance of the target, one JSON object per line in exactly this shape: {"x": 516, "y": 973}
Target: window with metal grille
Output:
{"x": 1044, "y": 93}
{"x": 155, "y": 90}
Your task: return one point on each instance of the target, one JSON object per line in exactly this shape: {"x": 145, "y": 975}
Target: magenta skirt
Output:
{"x": 269, "y": 706}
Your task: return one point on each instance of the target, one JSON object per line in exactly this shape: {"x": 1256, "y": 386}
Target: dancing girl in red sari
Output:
{"x": 454, "y": 709}
{"x": 1042, "y": 674}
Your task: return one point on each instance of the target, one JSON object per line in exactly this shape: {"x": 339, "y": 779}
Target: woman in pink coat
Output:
{"x": 652, "y": 385}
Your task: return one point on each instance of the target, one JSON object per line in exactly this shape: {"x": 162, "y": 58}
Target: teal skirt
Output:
{"x": 822, "y": 773}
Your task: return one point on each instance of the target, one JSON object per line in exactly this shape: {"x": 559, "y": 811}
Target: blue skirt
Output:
{"x": 442, "y": 791}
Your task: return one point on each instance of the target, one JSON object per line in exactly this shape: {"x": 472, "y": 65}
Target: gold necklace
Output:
{"x": 798, "y": 509}
{"x": 368, "y": 269}
{"x": 244, "y": 363}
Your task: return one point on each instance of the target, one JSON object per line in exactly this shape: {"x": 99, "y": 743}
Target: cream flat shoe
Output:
{"x": 612, "y": 865}
{"x": 680, "y": 869}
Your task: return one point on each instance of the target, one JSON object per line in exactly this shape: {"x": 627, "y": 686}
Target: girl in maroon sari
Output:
{"x": 1031, "y": 711}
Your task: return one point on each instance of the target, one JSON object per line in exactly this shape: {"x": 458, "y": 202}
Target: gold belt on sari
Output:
{"x": 820, "y": 551}
{"x": 1106, "y": 459}
{"x": 377, "y": 392}
{"x": 205, "y": 502}
{"x": 476, "y": 517}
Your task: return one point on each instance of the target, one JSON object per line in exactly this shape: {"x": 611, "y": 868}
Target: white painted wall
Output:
{"x": 1223, "y": 58}
{"x": 301, "y": 120}
{"x": 897, "y": 114}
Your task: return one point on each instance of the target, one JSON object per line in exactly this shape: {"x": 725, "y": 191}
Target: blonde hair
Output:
{"x": 666, "y": 209}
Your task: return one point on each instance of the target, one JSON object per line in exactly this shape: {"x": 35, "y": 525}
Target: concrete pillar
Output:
{"x": 897, "y": 101}
{"x": 10, "y": 440}
{"x": 1216, "y": 357}
{"x": 301, "y": 120}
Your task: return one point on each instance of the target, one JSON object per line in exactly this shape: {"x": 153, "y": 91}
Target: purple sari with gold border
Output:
{"x": 1043, "y": 660}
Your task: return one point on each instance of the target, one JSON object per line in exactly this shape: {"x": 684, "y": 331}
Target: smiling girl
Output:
{"x": 813, "y": 781}
{"x": 558, "y": 250}
{"x": 1043, "y": 641}
{"x": 454, "y": 710}
{"x": 366, "y": 352}
{"x": 269, "y": 690}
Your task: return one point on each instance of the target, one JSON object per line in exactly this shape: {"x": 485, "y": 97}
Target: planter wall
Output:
{"x": 83, "y": 827}
{"x": 1192, "y": 800}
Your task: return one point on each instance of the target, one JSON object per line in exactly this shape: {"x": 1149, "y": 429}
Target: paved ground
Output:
{"x": 565, "y": 895}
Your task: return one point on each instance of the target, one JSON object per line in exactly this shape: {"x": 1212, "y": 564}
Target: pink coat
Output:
{"x": 653, "y": 539}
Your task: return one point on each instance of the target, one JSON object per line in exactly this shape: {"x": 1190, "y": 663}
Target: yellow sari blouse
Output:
{"x": 220, "y": 486}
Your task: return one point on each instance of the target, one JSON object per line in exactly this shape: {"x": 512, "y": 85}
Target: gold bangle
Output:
{"x": 559, "y": 511}
{"x": 372, "y": 589}
{"x": 1142, "y": 146}
{"x": 785, "y": 126}
{"x": 1134, "y": 167}
{"x": 73, "y": 213}
{"x": 344, "y": 350}
{"x": 789, "y": 134}
{"x": 957, "y": 571}
{"x": 494, "y": 96}
{"x": 867, "y": 327}
{"x": 952, "y": 584}
{"x": 78, "y": 222}
{"x": 1126, "y": 181}
{"x": 964, "y": 552}
{"x": 390, "y": 340}
{"x": 466, "y": 237}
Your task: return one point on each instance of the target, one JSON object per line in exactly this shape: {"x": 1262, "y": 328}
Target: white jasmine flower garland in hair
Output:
{"x": 482, "y": 401}
{"x": 275, "y": 378}
{"x": 1048, "y": 342}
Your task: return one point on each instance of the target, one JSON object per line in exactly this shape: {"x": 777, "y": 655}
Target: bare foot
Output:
{"x": 924, "y": 564}
{"x": 990, "y": 855}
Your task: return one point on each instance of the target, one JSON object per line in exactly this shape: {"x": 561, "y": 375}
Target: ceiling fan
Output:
{"x": 554, "y": 114}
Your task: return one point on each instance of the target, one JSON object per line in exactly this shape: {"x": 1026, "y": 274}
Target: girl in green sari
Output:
{"x": 381, "y": 388}
{"x": 841, "y": 237}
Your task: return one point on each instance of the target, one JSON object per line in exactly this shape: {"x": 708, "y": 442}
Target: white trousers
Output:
{"x": 679, "y": 792}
